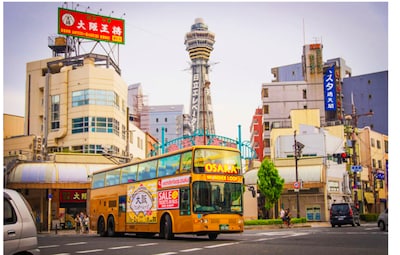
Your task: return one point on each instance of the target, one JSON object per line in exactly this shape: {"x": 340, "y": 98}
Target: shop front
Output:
{"x": 55, "y": 191}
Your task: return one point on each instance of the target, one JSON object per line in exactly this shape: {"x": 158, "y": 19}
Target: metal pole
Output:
{"x": 297, "y": 174}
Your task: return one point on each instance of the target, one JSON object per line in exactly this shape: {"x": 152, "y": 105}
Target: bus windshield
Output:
{"x": 217, "y": 197}
{"x": 217, "y": 161}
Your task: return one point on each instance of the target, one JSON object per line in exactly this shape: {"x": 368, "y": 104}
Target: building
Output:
{"x": 138, "y": 106}
{"x": 301, "y": 86}
{"x": 373, "y": 181}
{"x": 76, "y": 122}
{"x": 165, "y": 122}
{"x": 256, "y": 131}
{"x": 366, "y": 99}
{"x": 322, "y": 178}
{"x": 199, "y": 43}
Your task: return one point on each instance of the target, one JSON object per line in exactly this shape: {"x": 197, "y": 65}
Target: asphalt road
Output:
{"x": 346, "y": 240}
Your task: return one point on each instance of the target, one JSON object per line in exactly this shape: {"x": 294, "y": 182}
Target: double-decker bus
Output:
{"x": 197, "y": 190}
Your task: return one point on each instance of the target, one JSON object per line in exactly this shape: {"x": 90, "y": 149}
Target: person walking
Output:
{"x": 78, "y": 223}
{"x": 288, "y": 216}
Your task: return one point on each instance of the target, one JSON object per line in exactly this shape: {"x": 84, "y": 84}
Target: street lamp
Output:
{"x": 297, "y": 154}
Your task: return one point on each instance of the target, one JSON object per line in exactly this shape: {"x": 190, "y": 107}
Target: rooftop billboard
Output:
{"x": 91, "y": 26}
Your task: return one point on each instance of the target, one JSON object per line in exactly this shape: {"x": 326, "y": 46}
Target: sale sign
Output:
{"x": 168, "y": 199}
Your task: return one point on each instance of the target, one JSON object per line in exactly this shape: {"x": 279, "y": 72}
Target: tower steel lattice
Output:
{"x": 199, "y": 43}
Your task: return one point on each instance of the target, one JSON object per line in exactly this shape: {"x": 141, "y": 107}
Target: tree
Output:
{"x": 269, "y": 183}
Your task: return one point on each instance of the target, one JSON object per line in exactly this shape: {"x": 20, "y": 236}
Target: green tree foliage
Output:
{"x": 270, "y": 183}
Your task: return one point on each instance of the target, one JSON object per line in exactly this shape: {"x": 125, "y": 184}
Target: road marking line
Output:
{"x": 48, "y": 246}
{"x": 120, "y": 247}
{"x": 146, "y": 244}
{"x": 190, "y": 250}
{"x": 89, "y": 251}
{"x": 166, "y": 253}
{"x": 62, "y": 254}
{"x": 76, "y": 243}
{"x": 220, "y": 245}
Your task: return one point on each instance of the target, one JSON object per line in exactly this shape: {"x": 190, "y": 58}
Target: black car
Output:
{"x": 344, "y": 214}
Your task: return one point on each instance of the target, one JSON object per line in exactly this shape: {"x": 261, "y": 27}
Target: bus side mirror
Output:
{"x": 253, "y": 191}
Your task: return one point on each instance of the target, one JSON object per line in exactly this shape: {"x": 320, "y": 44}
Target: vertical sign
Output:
{"x": 330, "y": 89}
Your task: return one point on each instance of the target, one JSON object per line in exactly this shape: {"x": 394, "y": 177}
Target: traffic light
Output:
{"x": 344, "y": 157}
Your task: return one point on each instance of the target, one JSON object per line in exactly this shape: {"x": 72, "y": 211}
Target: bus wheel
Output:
{"x": 212, "y": 236}
{"x": 110, "y": 227}
{"x": 101, "y": 227}
{"x": 168, "y": 228}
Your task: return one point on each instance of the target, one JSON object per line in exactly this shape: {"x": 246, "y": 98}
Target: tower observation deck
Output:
{"x": 199, "y": 43}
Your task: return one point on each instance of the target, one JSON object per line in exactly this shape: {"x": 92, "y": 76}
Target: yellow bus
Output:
{"x": 197, "y": 190}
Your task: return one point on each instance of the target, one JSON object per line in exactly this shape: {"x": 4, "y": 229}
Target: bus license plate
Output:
{"x": 224, "y": 227}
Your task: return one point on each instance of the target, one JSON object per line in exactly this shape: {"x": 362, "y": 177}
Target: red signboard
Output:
{"x": 91, "y": 26}
{"x": 73, "y": 195}
{"x": 168, "y": 199}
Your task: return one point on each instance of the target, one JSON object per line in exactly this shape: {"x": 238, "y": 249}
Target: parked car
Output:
{"x": 383, "y": 220}
{"x": 19, "y": 230}
{"x": 343, "y": 214}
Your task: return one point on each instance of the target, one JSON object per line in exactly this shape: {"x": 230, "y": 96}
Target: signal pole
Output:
{"x": 297, "y": 153}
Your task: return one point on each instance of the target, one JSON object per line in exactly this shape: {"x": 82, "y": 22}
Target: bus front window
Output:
{"x": 216, "y": 197}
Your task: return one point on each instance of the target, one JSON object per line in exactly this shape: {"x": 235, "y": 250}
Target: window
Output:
{"x": 55, "y": 112}
{"x": 267, "y": 143}
{"x": 304, "y": 94}
{"x": 112, "y": 177}
{"x": 266, "y": 109}
{"x": 265, "y": 92}
{"x": 378, "y": 144}
{"x": 380, "y": 164}
{"x": 80, "y": 125}
{"x": 147, "y": 170}
{"x": 10, "y": 217}
{"x": 129, "y": 174}
{"x": 373, "y": 163}
{"x": 168, "y": 165}
{"x": 372, "y": 142}
{"x": 266, "y": 125}
{"x": 94, "y": 97}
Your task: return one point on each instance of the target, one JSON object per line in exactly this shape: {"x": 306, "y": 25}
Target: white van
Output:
{"x": 19, "y": 230}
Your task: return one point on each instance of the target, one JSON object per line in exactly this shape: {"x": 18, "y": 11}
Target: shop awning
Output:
{"x": 53, "y": 172}
{"x": 369, "y": 197}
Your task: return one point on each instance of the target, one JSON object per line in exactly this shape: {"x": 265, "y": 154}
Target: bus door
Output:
{"x": 185, "y": 221}
{"x": 121, "y": 220}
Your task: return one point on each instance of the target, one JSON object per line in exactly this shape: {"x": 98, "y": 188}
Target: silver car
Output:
{"x": 19, "y": 230}
{"x": 383, "y": 220}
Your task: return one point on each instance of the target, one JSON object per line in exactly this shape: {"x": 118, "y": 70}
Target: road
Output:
{"x": 347, "y": 240}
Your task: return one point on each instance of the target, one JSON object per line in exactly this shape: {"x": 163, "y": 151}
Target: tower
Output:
{"x": 199, "y": 43}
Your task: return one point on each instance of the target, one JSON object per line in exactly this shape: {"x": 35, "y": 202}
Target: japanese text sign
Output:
{"x": 330, "y": 89}
{"x": 91, "y": 26}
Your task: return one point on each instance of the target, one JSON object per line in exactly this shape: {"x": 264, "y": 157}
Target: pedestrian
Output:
{"x": 78, "y": 223}
{"x": 282, "y": 215}
{"x": 86, "y": 223}
{"x": 287, "y": 217}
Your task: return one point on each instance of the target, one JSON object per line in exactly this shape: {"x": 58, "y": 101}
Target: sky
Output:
{"x": 251, "y": 38}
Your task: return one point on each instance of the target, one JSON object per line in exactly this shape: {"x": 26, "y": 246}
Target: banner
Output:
{"x": 91, "y": 26}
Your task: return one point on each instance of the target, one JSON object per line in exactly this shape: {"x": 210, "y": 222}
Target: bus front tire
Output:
{"x": 101, "y": 227}
{"x": 167, "y": 229}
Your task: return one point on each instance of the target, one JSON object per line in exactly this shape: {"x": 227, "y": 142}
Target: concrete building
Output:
{"x": 368, "y": 93}
{"x": 167, "y": 117}
{"x": 199, "y": 43}
{"x": 76, "y": 122}
{"x": 373, "y": 180}
{"x": 301, "y": 86}
{"x": 256, "y": 131}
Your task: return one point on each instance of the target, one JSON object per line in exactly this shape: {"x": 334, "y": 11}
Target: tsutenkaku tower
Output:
{"x": 199, "y": 43}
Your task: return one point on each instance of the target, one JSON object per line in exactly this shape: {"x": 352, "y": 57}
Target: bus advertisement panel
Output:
{"x": 197, "y": 190}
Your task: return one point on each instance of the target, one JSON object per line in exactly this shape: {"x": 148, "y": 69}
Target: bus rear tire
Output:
{"x": 167, "y": 229}
{"x": 110, "y": 226}
{"x": 101, "y": 227}
{"x": 213, "y": 236}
